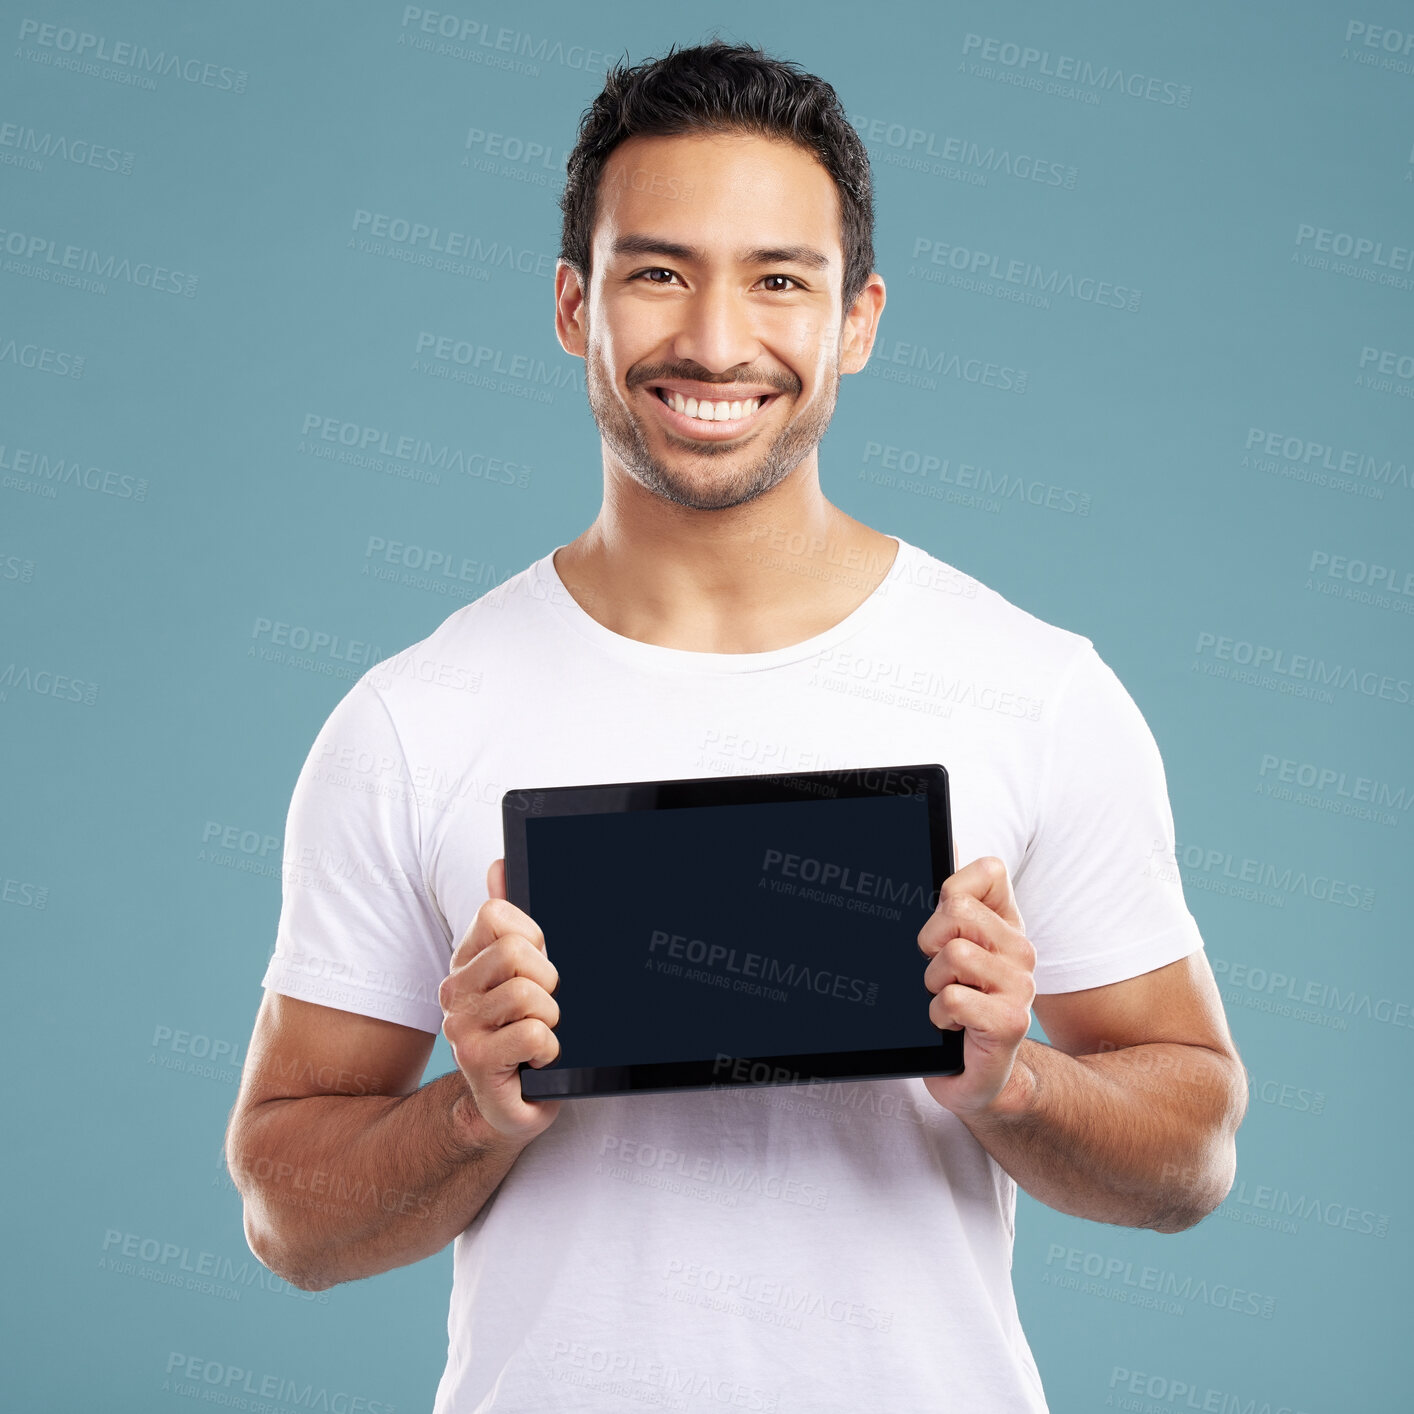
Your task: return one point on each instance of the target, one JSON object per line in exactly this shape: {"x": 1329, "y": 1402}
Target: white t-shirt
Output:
{"x": 787, "y": 1248}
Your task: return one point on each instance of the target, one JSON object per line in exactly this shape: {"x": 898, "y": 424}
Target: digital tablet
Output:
{"x": 735, "y": 930}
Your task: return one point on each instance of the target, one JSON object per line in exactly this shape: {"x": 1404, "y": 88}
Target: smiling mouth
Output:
{"x": 712, "y": 411}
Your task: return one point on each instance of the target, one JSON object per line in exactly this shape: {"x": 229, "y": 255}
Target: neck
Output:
{"x": 774, "y": 571}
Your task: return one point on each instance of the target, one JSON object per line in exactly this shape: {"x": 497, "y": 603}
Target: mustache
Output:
{"x": 689, "y": 375}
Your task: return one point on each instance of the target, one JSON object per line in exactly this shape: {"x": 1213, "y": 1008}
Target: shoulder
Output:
{"x": 954, "y": 614}
{"x": 448, "y": 665}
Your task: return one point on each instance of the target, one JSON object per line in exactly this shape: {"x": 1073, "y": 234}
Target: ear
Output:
{"x": 571, "y": 309}
{"x": 861, "y": 324}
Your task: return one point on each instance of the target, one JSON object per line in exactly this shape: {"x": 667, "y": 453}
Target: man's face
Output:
{"x": 716, "y": 276}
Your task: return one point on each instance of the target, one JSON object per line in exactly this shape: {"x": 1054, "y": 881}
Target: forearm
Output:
{"x": 1141, "y": 1136}
{"x": 338, "y": 1187}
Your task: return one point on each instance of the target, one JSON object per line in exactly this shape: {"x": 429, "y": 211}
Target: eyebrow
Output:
{"x": 756, "y": 255}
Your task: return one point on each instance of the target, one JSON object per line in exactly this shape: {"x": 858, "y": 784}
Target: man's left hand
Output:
{"x": 982, "y": 973}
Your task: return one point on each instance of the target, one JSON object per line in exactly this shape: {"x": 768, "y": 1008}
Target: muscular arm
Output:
{"x": 345, "y": 1166}
{"x": 1129, "y": 1115}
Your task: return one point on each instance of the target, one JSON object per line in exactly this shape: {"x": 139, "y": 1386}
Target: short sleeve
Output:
{"x": 1098, "y": 887}
{"x": 359, "y": 929}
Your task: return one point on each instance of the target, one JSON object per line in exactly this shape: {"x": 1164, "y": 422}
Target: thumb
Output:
{"x": 496, "y": 879}
{"x": 1001, "y": 899}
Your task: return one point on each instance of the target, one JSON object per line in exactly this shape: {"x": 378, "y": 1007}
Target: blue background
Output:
{"x": 1224, "y": 463}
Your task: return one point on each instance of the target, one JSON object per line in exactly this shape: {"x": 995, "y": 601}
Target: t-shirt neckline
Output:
{"x": 656, "y": 656}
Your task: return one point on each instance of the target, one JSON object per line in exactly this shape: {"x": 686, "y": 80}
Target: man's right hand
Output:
{"x": 498, "y": 1012}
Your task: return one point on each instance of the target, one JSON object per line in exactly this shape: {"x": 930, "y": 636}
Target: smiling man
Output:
{"x": 784, "y": 1248}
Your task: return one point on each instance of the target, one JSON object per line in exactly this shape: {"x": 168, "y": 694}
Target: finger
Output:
{"x": 479, "y": 1040}
{"x": 964, "y": 961}
{"x": 528, "y": 1040}
{"x": 497, "y": 918}
{"x": 986, "y": 879}
{"x": 496, "y": 879}
{"x": 960, "y": 915}
{"x": 987, "y": 1017}
{"x": 499, "y": 1053}
{"x": 508, "y": 957}
{"x": 517, "y": 999}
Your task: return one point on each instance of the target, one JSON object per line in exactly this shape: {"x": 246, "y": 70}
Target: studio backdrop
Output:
{"x": 279, "y": 391}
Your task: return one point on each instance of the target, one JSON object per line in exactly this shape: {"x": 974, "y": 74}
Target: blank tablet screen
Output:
{"x": 775, "y": 928}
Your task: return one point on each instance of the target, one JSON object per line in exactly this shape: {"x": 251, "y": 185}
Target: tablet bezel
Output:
{"x": 733, "y": 1072}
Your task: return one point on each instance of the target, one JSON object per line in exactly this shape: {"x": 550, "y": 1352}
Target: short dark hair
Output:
{"x": 721, "y": 87}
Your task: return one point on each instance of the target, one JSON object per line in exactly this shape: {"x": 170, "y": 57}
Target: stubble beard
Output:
{"x": 624, "y": 435}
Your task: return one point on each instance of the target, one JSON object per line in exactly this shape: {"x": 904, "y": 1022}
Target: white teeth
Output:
{"x": 706, "y": 411}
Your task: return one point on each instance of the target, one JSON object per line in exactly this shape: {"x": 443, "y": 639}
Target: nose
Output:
{"x": 718, "y": 328}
